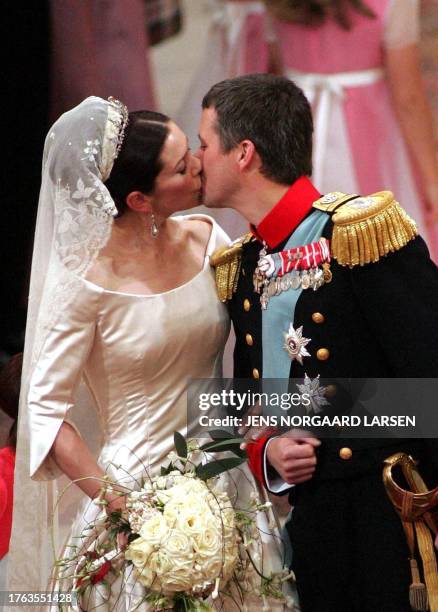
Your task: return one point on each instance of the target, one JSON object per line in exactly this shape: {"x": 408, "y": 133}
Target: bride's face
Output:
{"x": 178, "y": 185}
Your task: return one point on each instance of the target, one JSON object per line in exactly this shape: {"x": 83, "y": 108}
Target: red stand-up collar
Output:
{"x": 287, "y": 214}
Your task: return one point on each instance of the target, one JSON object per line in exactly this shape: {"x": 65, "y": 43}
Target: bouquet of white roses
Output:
{"x": 187, "y": 536}
{"x": 185, "y": 543}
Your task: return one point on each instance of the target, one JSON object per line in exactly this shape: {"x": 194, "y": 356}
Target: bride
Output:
{"x": 122, "y": 312}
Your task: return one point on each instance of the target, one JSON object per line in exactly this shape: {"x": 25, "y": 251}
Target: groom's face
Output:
{"x": 219, "y": 177}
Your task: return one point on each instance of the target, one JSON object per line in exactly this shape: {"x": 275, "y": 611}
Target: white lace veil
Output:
{"x": 74, "y": 221}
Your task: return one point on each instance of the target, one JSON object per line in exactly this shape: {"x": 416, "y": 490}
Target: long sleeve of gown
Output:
{"x": 56, "y": 377}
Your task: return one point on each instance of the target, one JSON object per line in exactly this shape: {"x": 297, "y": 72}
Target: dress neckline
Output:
{"x": 208, "y": 251}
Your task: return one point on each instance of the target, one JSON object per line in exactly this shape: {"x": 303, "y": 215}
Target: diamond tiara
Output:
{"x": 121, "y": 122}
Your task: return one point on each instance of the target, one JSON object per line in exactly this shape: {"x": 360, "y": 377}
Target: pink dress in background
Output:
{"x": 100, "y": 48}
{"x": 358, "y": 145}
{"x": 429, "y": 52}
{"x": 236, "y": 44}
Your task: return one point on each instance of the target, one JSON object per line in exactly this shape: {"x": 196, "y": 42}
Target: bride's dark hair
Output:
{"x": 138, "y": 163}
{"x": 315, "y": 12}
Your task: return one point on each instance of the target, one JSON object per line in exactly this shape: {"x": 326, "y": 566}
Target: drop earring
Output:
{"x": 154, "y": 228}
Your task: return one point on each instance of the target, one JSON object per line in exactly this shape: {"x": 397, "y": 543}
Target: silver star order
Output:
{"x": 295, "y": 344}
{"x": 315, "y": 392}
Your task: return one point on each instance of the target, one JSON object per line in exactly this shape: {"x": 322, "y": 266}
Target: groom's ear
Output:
{"x": 138, "y": 201}
{"x": 247, "y": 154}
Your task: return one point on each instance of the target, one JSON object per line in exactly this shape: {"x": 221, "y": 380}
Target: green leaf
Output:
{"x": 180, "y": 444}
{"x": 225, "y": 445}
{"x": 214, "y": 468}
{"x": 220, "y": 434}
{"x": 218, "y": 444}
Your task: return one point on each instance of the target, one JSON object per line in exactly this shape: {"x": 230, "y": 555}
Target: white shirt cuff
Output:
{"x": 276, "y": 486}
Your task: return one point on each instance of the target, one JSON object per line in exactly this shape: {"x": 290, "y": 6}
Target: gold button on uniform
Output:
{"x": 246, "y": 305}
{"x": 322, "y": 354}
{"x": 330, "y": 391}
{"x": 256, "y": 373}
{"x": 345, "y": 453}
{"x": 249, "y": 340}
{"x": 317, "y": 317}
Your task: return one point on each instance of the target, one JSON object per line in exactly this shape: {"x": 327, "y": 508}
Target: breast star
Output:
{"x": 295, "y": 344}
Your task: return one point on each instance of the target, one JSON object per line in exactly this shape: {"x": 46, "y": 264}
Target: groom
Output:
{"x": 351, "y": 312}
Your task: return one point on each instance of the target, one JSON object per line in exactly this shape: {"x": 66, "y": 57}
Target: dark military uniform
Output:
{"x": 375, "y": 320}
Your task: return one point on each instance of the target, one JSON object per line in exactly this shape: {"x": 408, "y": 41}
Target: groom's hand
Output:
{"x": 293, "y": 458}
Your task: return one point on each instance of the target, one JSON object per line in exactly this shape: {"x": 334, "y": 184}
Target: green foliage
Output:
{"x": 214, "y": 468}
{"x": 180, "y": 444}
{"x": 232, "y": 445}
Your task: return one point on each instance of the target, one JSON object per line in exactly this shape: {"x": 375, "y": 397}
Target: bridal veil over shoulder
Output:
{"x": 75, "y": 215}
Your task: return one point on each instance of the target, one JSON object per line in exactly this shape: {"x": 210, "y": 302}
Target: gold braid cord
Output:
{"x": 368, "y": 228}
{"x": 226, "y": 262}
{"x": 418, "y": 510}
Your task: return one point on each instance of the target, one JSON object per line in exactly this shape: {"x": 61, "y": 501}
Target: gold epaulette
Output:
{"x": 226, "y": 262}
{"x": 366, "y": 228}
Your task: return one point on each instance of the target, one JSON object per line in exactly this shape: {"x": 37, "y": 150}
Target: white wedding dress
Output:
{"x": 136, "y": 354}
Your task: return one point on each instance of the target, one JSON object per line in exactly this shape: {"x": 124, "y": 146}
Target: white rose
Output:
{"x": 160, "y": 563}
{"x": 170, "y": 515}
{"x": 162, "y": 497}
{"x": 178, "y": 546}
{"x": 211, "y": 567}
{"x": 209, "y": 542}
{"x": 161, "y": 482}
{"x": 146, "y": 576}
{"x": 193, "y": 521}
{"x": 139, "y": 552}
{"x": 177, "y": 580}
{"x": 155, "y": 529}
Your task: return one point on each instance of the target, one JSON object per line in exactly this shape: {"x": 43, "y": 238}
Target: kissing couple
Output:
{"x": 124, "y": 308}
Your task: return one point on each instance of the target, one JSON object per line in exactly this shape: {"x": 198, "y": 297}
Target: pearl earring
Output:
{"x": 154, "y": 228}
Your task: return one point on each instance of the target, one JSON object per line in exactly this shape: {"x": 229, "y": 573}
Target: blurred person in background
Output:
{"x": 10, "y": 377}
{"x": 100, "y": 48}
{"x": 238, "y": 42}
{"x": 358, "y": 63}
{"x": 163, "y": 19}
{"x": 429, "y": 54}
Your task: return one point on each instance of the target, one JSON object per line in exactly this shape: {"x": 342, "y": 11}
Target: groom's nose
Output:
{"x": 197, "y": 165}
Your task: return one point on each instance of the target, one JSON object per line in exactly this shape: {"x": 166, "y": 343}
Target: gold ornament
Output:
{"x": 226, "y": 262}
{"x": 368, "y": 228}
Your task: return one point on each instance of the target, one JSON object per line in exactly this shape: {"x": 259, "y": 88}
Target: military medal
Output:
{"x": 292, "y": 269}
{"x": 259, "y": 275}
{"x": 316, "y": 394}
{"x": 295, "y": 344}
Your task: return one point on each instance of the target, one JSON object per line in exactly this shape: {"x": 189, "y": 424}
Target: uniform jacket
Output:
{"x": 378, "y": 320}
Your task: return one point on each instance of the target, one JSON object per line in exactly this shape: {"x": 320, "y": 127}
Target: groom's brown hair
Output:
{"x": 274, "y": 114}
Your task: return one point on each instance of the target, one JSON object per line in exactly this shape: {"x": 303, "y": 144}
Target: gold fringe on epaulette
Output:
{"x": 361, "y": 237}
{"x": 227, "y": 276}
{"x": 226, "y": 262}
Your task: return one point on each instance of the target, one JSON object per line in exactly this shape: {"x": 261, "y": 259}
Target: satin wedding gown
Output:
{"x": 136, "y": 354}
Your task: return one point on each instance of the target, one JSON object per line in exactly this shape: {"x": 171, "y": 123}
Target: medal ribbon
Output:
{"x": 301, "y": 258}
{"x": 304, "y": 257}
